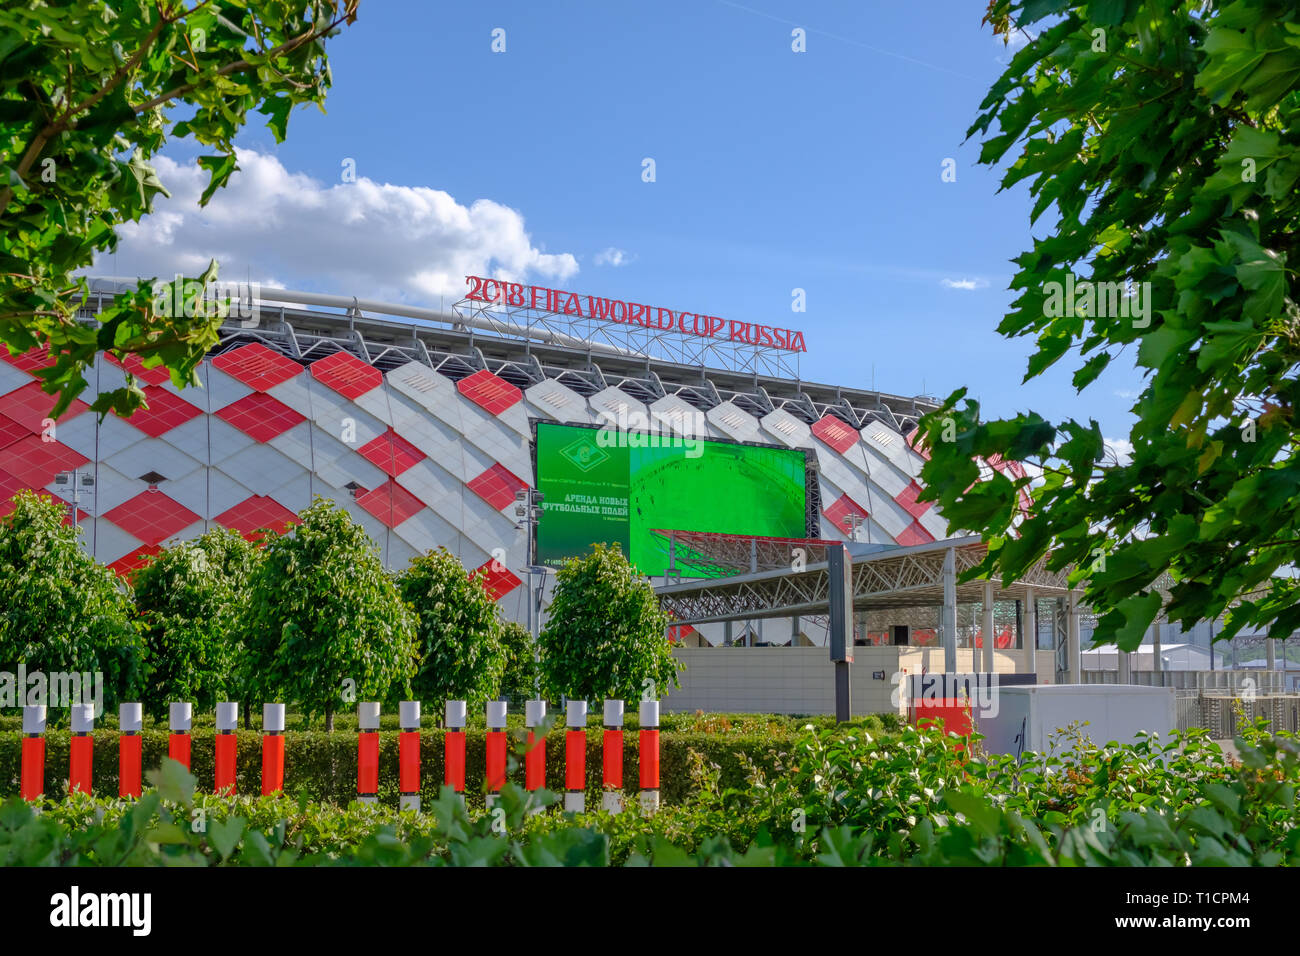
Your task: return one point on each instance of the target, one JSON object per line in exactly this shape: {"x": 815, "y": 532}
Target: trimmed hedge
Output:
{"x": 710, "y": 723}
{"x": 323, "y": 766}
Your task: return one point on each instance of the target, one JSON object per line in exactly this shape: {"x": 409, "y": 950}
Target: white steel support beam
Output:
{"x": 986, "y": 625}
{"x": 1072, "y": 635}
{"x": 948, "y": 619}
{"x": 1030, "y": 628}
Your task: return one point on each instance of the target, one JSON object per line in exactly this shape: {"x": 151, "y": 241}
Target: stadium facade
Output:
{"x": 422, "y": 424}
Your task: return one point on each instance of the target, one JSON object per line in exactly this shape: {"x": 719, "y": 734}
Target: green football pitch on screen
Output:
{"x": 620, "y": 487}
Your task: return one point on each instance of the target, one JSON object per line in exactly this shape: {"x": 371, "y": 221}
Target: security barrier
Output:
{"x": 179, "y": 744}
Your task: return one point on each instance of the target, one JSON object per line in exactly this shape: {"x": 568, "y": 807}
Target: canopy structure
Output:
{"x": 884, "y": 577}
{"x": 791, "y": 579}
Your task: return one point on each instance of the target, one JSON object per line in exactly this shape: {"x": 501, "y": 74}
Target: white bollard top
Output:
{"x": 496, "y": 714}
{"x": 577, "y": 713}
{"x": 534, "y": 712}
{"x": 408, "y": 714}
{"x": 227, "y": 715}
{"x": 83, "y": 718}
{"x": 130, "y": 718}
{"x": 649, "y": 713}
{"x": 273, "y": 718}
{"x": 456, "y": 714}
{"x": 368, "y": 715}
{"x": 613, "y": 713}
{"x": 179, "y": 717}
{"x": 34, "y": 718}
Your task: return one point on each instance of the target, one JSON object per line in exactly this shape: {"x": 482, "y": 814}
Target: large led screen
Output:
{"x": 615, "y": 486}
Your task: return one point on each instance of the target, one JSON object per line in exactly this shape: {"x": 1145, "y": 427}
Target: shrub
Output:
{"x": 519, "y": 682}
{"x": 606, "y": 636}
{"x": 62, "y": 611}
{"x": 323, "y": 766}
{"x": 848, "y": 799}
{"x": 189, "y": 603}
{"x": 457, "y": 631}
{"x": 324, "y": 617}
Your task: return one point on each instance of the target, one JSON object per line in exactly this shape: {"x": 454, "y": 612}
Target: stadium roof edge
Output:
{"x": 306, "y": 313}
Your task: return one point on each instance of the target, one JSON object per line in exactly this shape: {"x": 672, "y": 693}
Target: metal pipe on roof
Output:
{"x": 351, "y": 304}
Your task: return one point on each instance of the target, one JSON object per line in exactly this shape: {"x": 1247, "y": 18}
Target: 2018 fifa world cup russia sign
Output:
{"x": 516, "y": 295}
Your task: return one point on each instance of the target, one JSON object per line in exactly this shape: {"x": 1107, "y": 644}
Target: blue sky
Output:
{"x": 775, "y": 170}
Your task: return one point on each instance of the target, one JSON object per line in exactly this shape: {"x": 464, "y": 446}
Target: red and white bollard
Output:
{"x": 454, "y": 747}
{"x": 535, "y": 754}
{"x": 575, "y": 757}
{"x": 368, "y": 752}
{"x": 178, "y": 722}
{"x": 649, "y": 756}
{"x": 408, "y": 756}
{"x": 496, "y": 750}
{"x": 81, "y": 749}
{"x": 226, "y": 747}
{"x": 130, "y": 722}
{"x": 611, "y": 800}
{"x": 272, "y": 748}
{"x": 33, "y": 773}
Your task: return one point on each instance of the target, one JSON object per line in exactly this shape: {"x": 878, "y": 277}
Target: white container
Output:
{"x": 83, "y": 718}
{"x": 1027, "y": 717}
{"x": 534, "y": 712}
{"x": 613, "y": 713}
{"x": 34, "y": 719}
{"x": 368, "y": 715}
{"x": 130, "y": 718}
{"x": 649, "y": 713}
{"x": 408, "y": 714}
{"x": 577, "y": 713}
{"x": 179, "y": 717}
{"x": 273, "y": 718}
{"x": 456, "y": 714}
{"x": 227, "y": 715}
{"x": 496, "y": 715}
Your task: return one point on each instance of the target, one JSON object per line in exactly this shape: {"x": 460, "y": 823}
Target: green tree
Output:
{"x": 324, "y": 617}
{"x": 457, "y": 630}
{"x": 189, "y": 602}
{"x": 1165, "y": 138}
{"x": 519, "y": 682}
{"x": 90, "y": 92}
{"x": 606, "y": 635}
{"x": 62, "y": 611}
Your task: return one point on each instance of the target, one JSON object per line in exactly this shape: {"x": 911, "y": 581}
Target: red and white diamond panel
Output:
{"x": 257, "y": 367}
{"x": 834, "y": 432}
{"x": 490, "y": 392}
{"x": 497, "y": 486}
{"x": 254, "y": 515}
{"x": 152, "y": 517}
{"x": 259, "y": 416}
{"x": 497, "y": 579}
{"x": 346, "y": 374}
{"x": 135, "y": 365}
{"x": 30, "y": 406}
{"x": 166, "y": 410}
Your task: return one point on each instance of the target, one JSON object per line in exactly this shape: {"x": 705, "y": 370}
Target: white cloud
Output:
{"x": 373, "y": 240}
{"x": 1013, "y": 40}
{"x": 965, "y": 285}
{"x": 613, "y": 257}
{"x": 1122, "y": 448}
